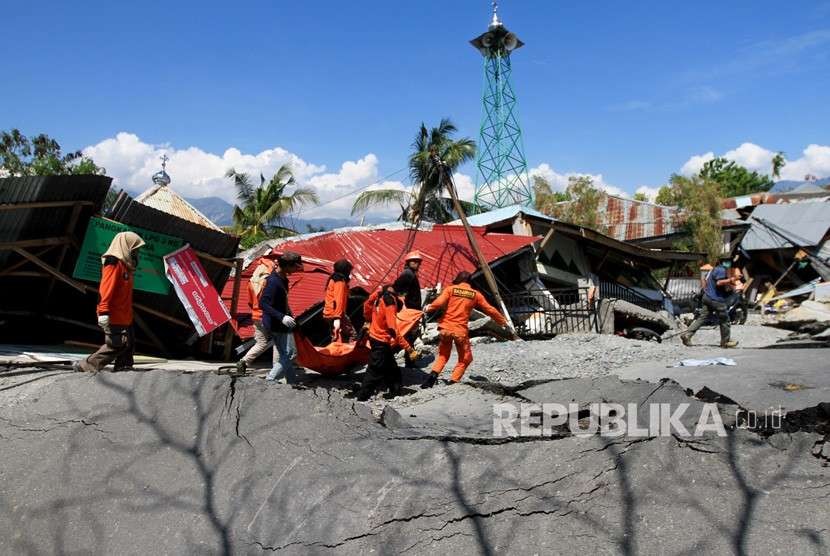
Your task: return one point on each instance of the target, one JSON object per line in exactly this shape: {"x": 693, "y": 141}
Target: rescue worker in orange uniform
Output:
{"x": 115, "y": 308}
{"x": 337, "y": 301}
{"x": 459, "y": 300}
{"x": 407, "y": 282}
{"x": 382, "y": 309}
{"x": 255, "y": 287}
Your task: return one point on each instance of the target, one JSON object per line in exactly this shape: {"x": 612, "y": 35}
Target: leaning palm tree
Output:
{"x": 262, "y": 210}
{"x": 778, "y": 162}
{"x": 426, "y": 199}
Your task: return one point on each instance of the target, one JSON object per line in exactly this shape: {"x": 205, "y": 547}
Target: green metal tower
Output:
{"x": 502, "y": 178}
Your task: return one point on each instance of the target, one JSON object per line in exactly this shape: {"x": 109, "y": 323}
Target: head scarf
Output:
{"x": 122, "y": 247}
{"x": 261, "y": 272}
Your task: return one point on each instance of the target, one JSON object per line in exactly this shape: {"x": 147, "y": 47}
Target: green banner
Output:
{"x": 149, "y": 276}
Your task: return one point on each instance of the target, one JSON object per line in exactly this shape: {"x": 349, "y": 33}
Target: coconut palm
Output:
{"x": 262, "y": 210}
{"x": 778, "y": 162}
{"x": 426, "y": 199}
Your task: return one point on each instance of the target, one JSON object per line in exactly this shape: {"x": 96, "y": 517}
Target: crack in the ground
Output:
{"x": 695, "y": 445}
{"x": 230, "y": 398}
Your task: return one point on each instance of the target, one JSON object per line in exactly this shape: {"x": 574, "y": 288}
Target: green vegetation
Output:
{"x": 426, "y": 200}
{"x": 698, "y": 199}
{"x": 733, "y": 179}
{"x": 262, "y": 209}
{"x": 40, "y": 156}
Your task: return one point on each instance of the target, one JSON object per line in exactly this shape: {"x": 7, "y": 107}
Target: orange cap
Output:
{"x": 413, "y": 256}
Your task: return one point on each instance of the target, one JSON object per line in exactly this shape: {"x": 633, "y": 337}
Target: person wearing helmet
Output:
{"x": 337, "y": 301}
{"x": 115, "y": 309}
{"x": 458, "y": 302}
{"x": 408, "y": 283}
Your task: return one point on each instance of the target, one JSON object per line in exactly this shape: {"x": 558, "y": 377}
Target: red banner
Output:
{"x": 197, "y": 294}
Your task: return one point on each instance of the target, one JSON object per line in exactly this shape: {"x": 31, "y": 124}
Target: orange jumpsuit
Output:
{"x": 116, "y": 291}
{"x": 459, "y": 300}
{"x": 334, "y": 308}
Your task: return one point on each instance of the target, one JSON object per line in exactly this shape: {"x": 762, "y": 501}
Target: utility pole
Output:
{"x": 446, "y": 179}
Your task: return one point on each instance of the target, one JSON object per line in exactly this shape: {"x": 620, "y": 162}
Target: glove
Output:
{"x": 428, "y": 308}
{"x": 103, "y": 321}
{"x": 413, "y": 354}
{"x": 288, "y": 321}
{"x": 336, "y": 324}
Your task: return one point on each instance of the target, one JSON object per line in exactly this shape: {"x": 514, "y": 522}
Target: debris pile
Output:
{"x": 808, "y": 319}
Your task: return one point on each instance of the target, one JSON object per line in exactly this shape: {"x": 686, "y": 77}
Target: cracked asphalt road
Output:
{"x": 170, "y": 463}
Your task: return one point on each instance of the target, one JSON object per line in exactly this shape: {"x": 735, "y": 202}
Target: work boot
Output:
{"x": 687, "y": 341}
{"x": 430, "y": 381}
{"x": 729, "y": 344}
{"x": 241, "y": 367}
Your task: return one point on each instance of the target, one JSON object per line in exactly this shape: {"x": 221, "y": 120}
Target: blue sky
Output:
{"x": 628, "y": 90}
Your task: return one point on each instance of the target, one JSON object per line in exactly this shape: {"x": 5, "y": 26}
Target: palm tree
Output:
{"x": 262, "y": 209}
{"x": 426, "y": 199}
{"x": 778, "y": 162}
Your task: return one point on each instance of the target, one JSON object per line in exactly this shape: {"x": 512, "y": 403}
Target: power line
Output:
{"x": 358, "y": 190}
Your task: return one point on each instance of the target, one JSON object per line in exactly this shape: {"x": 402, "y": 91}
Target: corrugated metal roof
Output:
{"x": 627, "y": 219}
{"x": 377, "y": 257}
{"x": 36, "y": 223}
{"x": 809, "y": 221}
{"x": 784, "y": 186}
{"x": 502, "y": 214}
{"x": 165, "y": 199}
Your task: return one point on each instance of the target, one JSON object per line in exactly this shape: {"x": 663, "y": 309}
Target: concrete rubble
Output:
{"x": 204, "y": 463}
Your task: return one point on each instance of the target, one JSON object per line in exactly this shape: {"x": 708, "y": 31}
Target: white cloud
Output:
{"x": 752, "y": 157}
{"x": 648, "y": 191}
{"x": 559, "y": 182}
{"x": 465, "y": 186}
{"x": 198, "y": 173}
{"x": 695, "y": 163}
{"x": 815, "y": 159}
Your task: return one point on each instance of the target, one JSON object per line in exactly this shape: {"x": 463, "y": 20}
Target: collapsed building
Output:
{"x": 45, "y": 295}
{"x": 377, "y": 255}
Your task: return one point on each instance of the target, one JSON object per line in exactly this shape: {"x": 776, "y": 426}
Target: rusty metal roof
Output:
{"x": 627, "y": 219}
{"x": 165, "y": 199}
{"x": 377, "y": 256}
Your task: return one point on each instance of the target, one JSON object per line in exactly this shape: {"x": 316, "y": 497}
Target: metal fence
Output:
{"x": 683, "y": 290}
{"x": 609, "y": 290}
{"x": 543, "y": 313}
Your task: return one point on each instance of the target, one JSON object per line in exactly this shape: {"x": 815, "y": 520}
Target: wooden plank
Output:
{"x": 45, "y": 204}
{"x": 150, "y": 334}
{"x": 29, "y": 243}
{"x": 51, "y": 270}
{"x": 237, "y": 281}
{"x": 147, "y": 310}
{"x": 230, "y": 263}
{"x": 9, "y": 270}
{"x": 27, "y": 274}
{"x": 73, "y": 220}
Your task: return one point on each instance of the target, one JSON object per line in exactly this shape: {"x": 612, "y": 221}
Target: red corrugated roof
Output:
{"x": 377, "y": 257}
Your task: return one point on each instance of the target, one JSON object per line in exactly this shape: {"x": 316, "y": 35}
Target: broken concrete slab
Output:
{"x": 806, "y": 313}
{"x": 752, "y": 383}
{"x": 198, "y": 463}
{"x": 647, "y": 399}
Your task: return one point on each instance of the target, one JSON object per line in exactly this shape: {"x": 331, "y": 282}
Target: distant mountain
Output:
{"x": 217, "y": 209}
{"x": 220, "y": 213}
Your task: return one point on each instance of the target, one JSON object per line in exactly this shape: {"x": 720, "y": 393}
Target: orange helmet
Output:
{"x": 413, "y": 256}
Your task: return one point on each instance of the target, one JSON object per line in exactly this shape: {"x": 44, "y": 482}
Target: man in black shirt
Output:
{"x": 408, "y": 282}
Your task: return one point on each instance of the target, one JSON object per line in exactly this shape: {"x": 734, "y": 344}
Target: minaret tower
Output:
{"x": 502, "y": 178}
